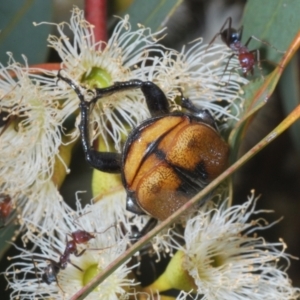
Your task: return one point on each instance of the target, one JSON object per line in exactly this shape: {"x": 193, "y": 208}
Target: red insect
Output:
{"x": 232, "y": 38}
{"x": 81, "y": 236}
{"x": 53, "y": 267}
{"x": 78, "y": 237}
{"x": 50, "y": 272}
{"x": 6, "y": 208}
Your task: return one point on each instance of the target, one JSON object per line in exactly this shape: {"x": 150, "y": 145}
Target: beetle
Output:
{"x": 167, "y": 159}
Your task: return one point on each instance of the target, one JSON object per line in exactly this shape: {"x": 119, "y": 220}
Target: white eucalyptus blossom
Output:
{"x": 40, "y": 205}
{"x": 106, "y": 243}
{"x": 31, "y": 134}
{"x": 226, "y": 259}
{"x": 94, "y": 64}
{"x": 30, "y": 139}
{"x": 201, "y": 72}
{"x": 114, "y": 203}
{"x": 184, "y": 295}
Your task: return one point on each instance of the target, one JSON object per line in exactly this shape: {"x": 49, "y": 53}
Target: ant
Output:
{"x": 81, "y": 236}
{"x": 78, "y": 237}
{"x": 232, "y": 38}
{"x": 50, "y": 272}
{"x": 6, "y": 208}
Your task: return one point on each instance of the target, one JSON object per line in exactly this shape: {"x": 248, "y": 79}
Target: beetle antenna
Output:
{"x": 72, "y": 84}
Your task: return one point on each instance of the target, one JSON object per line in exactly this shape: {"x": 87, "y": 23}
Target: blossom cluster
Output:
{"x": 218, "y": 259}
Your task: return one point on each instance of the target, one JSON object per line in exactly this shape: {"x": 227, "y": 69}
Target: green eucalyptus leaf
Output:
{"x": 274, "y": 21}
{"x": 18, "y": 34}
{"x": 6, "y": 234}
{"x": 266, "y": 20}
{"x": 290, "y": 93}
{"x": 153, "y": 14}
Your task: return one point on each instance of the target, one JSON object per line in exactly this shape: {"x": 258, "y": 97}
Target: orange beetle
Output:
{"x": 167, "y": 159}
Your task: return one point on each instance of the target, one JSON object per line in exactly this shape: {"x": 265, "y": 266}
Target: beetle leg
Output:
{"x": 131, "y": 204}
{"x": 104, "y": 161}
{"x": 203, "y": 114}
{"x": 148, "y": 227}
{"x": 156, "y": 100}
{"x": 137, "y": 234}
